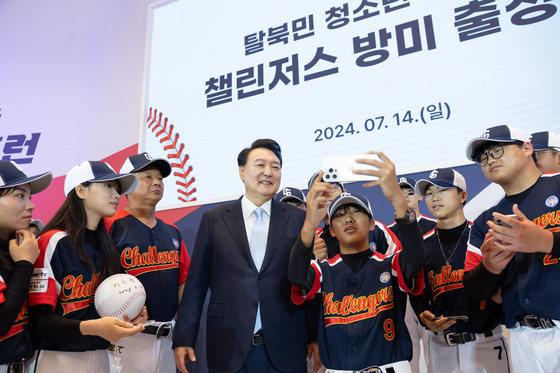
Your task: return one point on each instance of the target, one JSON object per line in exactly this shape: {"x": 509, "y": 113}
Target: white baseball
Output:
{"x": 120, "y": 294}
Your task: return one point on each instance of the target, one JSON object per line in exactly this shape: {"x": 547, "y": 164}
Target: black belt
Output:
{"x": 258, "y": 338}
{"x": 16, "y": 366}
{"x": 457, "y": 338}
{"x": 164, "y": 330}
{"x": 536, "y": 322}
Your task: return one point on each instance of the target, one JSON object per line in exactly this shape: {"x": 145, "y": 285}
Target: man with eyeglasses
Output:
{"x": 546, "y": 146}
{"x": 517, "y": 261}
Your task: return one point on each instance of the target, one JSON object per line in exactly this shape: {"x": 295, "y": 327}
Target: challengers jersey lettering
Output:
{"x": 75, "y": 294}
{"x": 136, "y": 263}
{"x": 352, "y": 309}
{"x": 21, "y": 319}
{"x": 447, "y": 279}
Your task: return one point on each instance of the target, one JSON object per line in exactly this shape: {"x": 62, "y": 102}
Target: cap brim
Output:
{"x": 478, "y": 141}
{"x": 160, "y": 164}
{"x": 37, "y": 183}
{"x": 422, "y": 185}
{"x": 127, "y": 182}
{"x": 291, "y": 197}
{"x": 348, "y": 200}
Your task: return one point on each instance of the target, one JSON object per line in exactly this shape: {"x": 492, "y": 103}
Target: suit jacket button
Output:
{"x": 260, "y": 277}
{"x": 256, "y": 303}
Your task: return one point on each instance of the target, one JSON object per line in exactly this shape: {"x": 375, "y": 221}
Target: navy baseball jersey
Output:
{"x": 426, "y": 224}
{"x": 363, "y": 313}
{"x": 444, "y": 286}
{"x": 63, "y": 281}
{"x": 16, "y": 344}
{"x": 156, "y": 256}
{"x": 527, "y": 280}
{"x": 381, "y": 240}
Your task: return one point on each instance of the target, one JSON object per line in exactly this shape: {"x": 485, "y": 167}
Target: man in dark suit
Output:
{"x": 241, "y": 251}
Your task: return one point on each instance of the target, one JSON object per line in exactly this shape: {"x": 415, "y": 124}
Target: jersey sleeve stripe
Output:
{"x": 393, "y": 243}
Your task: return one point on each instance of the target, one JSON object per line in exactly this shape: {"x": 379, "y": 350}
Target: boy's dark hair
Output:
{"x": 269, "y": 144}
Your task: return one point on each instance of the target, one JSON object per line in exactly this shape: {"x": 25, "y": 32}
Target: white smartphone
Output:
{"x": 339, "y": 168}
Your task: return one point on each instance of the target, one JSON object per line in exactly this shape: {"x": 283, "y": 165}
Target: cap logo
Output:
{"x": 344, "y": 194}
{"x": 402, "y": 180}
{"x": 148, "y": 157}
{"x": 287, "y": 192}
{"x": 433, "y": 175}
{"x": 485, "y": 134}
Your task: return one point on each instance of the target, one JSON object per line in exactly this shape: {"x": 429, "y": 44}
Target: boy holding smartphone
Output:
{"x": 470, "y": 340}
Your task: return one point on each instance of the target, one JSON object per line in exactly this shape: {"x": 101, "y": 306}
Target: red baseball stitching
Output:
{"x": 174, "y": 153}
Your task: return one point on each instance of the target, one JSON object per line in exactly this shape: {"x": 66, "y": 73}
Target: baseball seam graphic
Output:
{"x": 165, "y": 134}
{"x": 123, "y": 308}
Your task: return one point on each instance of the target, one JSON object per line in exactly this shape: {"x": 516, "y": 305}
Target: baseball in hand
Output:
{"x": 118, "y": 295}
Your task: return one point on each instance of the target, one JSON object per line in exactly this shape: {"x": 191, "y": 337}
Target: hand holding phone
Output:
{"x": 339, "y": 168}
{"x": 454, "y": 318}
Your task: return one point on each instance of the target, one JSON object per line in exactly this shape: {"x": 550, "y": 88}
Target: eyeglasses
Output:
{"x": 538, "y": 153}
{"x": 496, "y": 152}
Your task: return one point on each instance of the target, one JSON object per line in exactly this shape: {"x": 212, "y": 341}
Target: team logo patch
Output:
{"x": 373, "y": 246}
{"x": 384, "y": 278}
{"x": 551, "y": 201}
{"x": 176, "y": 243}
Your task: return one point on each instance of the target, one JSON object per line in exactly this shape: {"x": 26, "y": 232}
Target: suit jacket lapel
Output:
{"x": 278, "y": 219}
{"x": 235, "y": 223}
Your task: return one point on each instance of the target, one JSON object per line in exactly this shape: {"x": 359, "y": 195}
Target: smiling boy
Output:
{"x": 364, "y": 292}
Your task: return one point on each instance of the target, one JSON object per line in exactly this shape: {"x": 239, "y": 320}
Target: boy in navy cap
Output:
{"x": 293, "y": 196}
{"x": 546, "y": 146}
{"x": 518, "y": 260}
{"x": 364, "y": 292}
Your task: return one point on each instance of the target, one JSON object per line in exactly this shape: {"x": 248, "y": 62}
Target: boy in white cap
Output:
{"x": 472, "y": 345}
{"x": 517, "y": 261}
{"x": 546, "y": 146}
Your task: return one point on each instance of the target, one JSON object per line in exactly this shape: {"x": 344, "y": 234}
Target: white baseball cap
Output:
{"x": 95, "y": 171}
{"x": 443, "y": 178}
{"x": 496, "y": 134}
{"x": 545, "y": 140}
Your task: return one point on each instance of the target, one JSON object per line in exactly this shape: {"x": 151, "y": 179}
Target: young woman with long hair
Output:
{"x": 76, "y": 255}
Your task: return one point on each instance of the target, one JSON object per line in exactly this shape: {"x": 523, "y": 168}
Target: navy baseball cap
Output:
{"x": 95, "y": 171}
{"x": 497, "y": 134}
{"x": 443, "y": 178}
{"x": 349, "y": 198}
{"x": 314, "y": 177}
{"x": 11, "y": 176}
{"x": 137, "y": 162}
{"x": 544, "y": 140}
{"x": 406, "y": 181}
{"x": 289, "y": 193}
